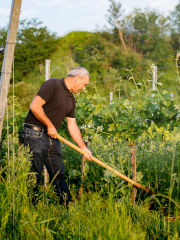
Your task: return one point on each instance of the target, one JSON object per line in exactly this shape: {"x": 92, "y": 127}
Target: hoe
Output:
{"x": 136, "y": 184}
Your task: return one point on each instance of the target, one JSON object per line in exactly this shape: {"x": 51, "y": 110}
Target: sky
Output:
{"x": 64, "y": 16}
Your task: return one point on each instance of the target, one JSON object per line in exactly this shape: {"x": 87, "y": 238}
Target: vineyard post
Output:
{"x": 110, "y": 97}
{"x": 47, "y": 76}
{"x": 133, "y": 165}
{"x": 154, "y": 78}
{"x": 8, "y": 57}
{"x": 83, "y": 163}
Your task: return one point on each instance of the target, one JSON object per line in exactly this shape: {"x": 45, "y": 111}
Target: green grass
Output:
{"x": 93, "y": 217}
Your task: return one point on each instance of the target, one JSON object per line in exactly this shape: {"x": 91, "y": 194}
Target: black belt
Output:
{"x": 34, "y": 127}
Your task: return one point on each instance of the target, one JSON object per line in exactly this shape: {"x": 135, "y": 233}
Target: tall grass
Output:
{"x": 93, "y": 217}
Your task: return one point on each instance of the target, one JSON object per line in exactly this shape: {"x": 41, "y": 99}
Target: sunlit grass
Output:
{"x": 93, "y": 216}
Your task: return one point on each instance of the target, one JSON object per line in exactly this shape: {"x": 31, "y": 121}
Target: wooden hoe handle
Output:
{"x": 136, "y": 184}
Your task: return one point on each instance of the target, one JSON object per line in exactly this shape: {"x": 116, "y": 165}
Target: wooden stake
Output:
{"x": 8, "y": 58}
{"x": 47, "y": 76}
{"x": 83, "y": 162}
{"x": 133, "y": 164}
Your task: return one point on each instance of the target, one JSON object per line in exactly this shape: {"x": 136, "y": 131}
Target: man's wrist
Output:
{"x": 50, "y": 125}
{"x": 83, "y": 147}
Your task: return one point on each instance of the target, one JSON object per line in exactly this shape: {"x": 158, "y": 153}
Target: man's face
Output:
{"x": 80, "y": 83}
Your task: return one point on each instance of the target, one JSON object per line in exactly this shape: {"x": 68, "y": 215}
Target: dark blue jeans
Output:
{"x": 47, "y": 151}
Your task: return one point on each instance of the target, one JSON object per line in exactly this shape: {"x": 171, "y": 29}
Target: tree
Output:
{"x": 116, "y": 22}
{"x": 114, "y": 13}
{"x": 149, "y": 30}
{"x": 34, "y": 44}
{"x": 175, "y": 27}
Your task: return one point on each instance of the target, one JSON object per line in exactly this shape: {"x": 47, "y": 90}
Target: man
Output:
{"x": 53, "y": 103}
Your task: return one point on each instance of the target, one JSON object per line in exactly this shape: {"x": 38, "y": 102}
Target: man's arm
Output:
{"x": 37, "y": 110}
{"x": 76, "y": 136}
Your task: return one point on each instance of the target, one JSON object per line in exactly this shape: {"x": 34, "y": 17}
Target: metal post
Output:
{"x": 172, "y": 96}
{"x": 47, "y": 76}
{"x": 110, "y": 97}
{"x": 154, "y": 77}
{"x": 8, "y": 58}
{"x": 47, "y": 69}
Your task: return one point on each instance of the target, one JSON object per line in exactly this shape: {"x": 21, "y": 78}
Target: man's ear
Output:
{"x": 75, "y": 79}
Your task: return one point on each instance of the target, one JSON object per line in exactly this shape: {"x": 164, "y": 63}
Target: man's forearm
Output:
{"x": 38, "y": 111}
{"x": 41, "y": 116}
{"x": 76, "y": 135}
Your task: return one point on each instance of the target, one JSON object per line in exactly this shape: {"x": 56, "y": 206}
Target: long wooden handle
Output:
{"x": 138, "y": 185}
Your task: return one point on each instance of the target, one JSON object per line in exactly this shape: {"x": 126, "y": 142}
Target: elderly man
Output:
{"x": 53, "y": 103}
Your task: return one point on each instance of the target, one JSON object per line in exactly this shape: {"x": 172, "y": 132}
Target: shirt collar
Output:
{"x": 64, "y": 85}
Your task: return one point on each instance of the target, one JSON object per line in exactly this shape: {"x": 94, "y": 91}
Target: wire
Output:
{"x": 156, "y": 59}
{"x": 137, "y": 73}
{"x": 167, "y": 66}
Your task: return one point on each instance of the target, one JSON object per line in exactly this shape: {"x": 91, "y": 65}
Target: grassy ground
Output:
{"x": 93, "y": 217}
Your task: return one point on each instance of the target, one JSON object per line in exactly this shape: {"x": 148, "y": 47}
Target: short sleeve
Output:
{"x": 71, "y": 113}
{"x": 47, "y": 90}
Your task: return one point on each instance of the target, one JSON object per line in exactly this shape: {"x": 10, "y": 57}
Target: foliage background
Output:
{"x": 137, "y": 115}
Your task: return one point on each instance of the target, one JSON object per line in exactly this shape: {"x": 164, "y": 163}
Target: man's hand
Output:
{"x": 88, "y": 153}
{"x": 52, "y": 132}
{"x": 37, "y": 109}
{"x": 76, "y": 136}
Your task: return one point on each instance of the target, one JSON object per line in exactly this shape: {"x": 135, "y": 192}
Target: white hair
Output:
{"x": 78, "y": 71}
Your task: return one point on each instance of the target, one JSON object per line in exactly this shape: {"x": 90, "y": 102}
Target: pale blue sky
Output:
{"x": 63, "y": 16}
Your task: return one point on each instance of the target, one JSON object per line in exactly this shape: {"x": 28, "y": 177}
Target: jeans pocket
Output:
{"x": 34, "y": 139}
{"x": 32, "y": 133}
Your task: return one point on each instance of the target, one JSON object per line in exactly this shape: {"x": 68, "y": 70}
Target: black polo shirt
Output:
{"x": 60, "y": 103}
